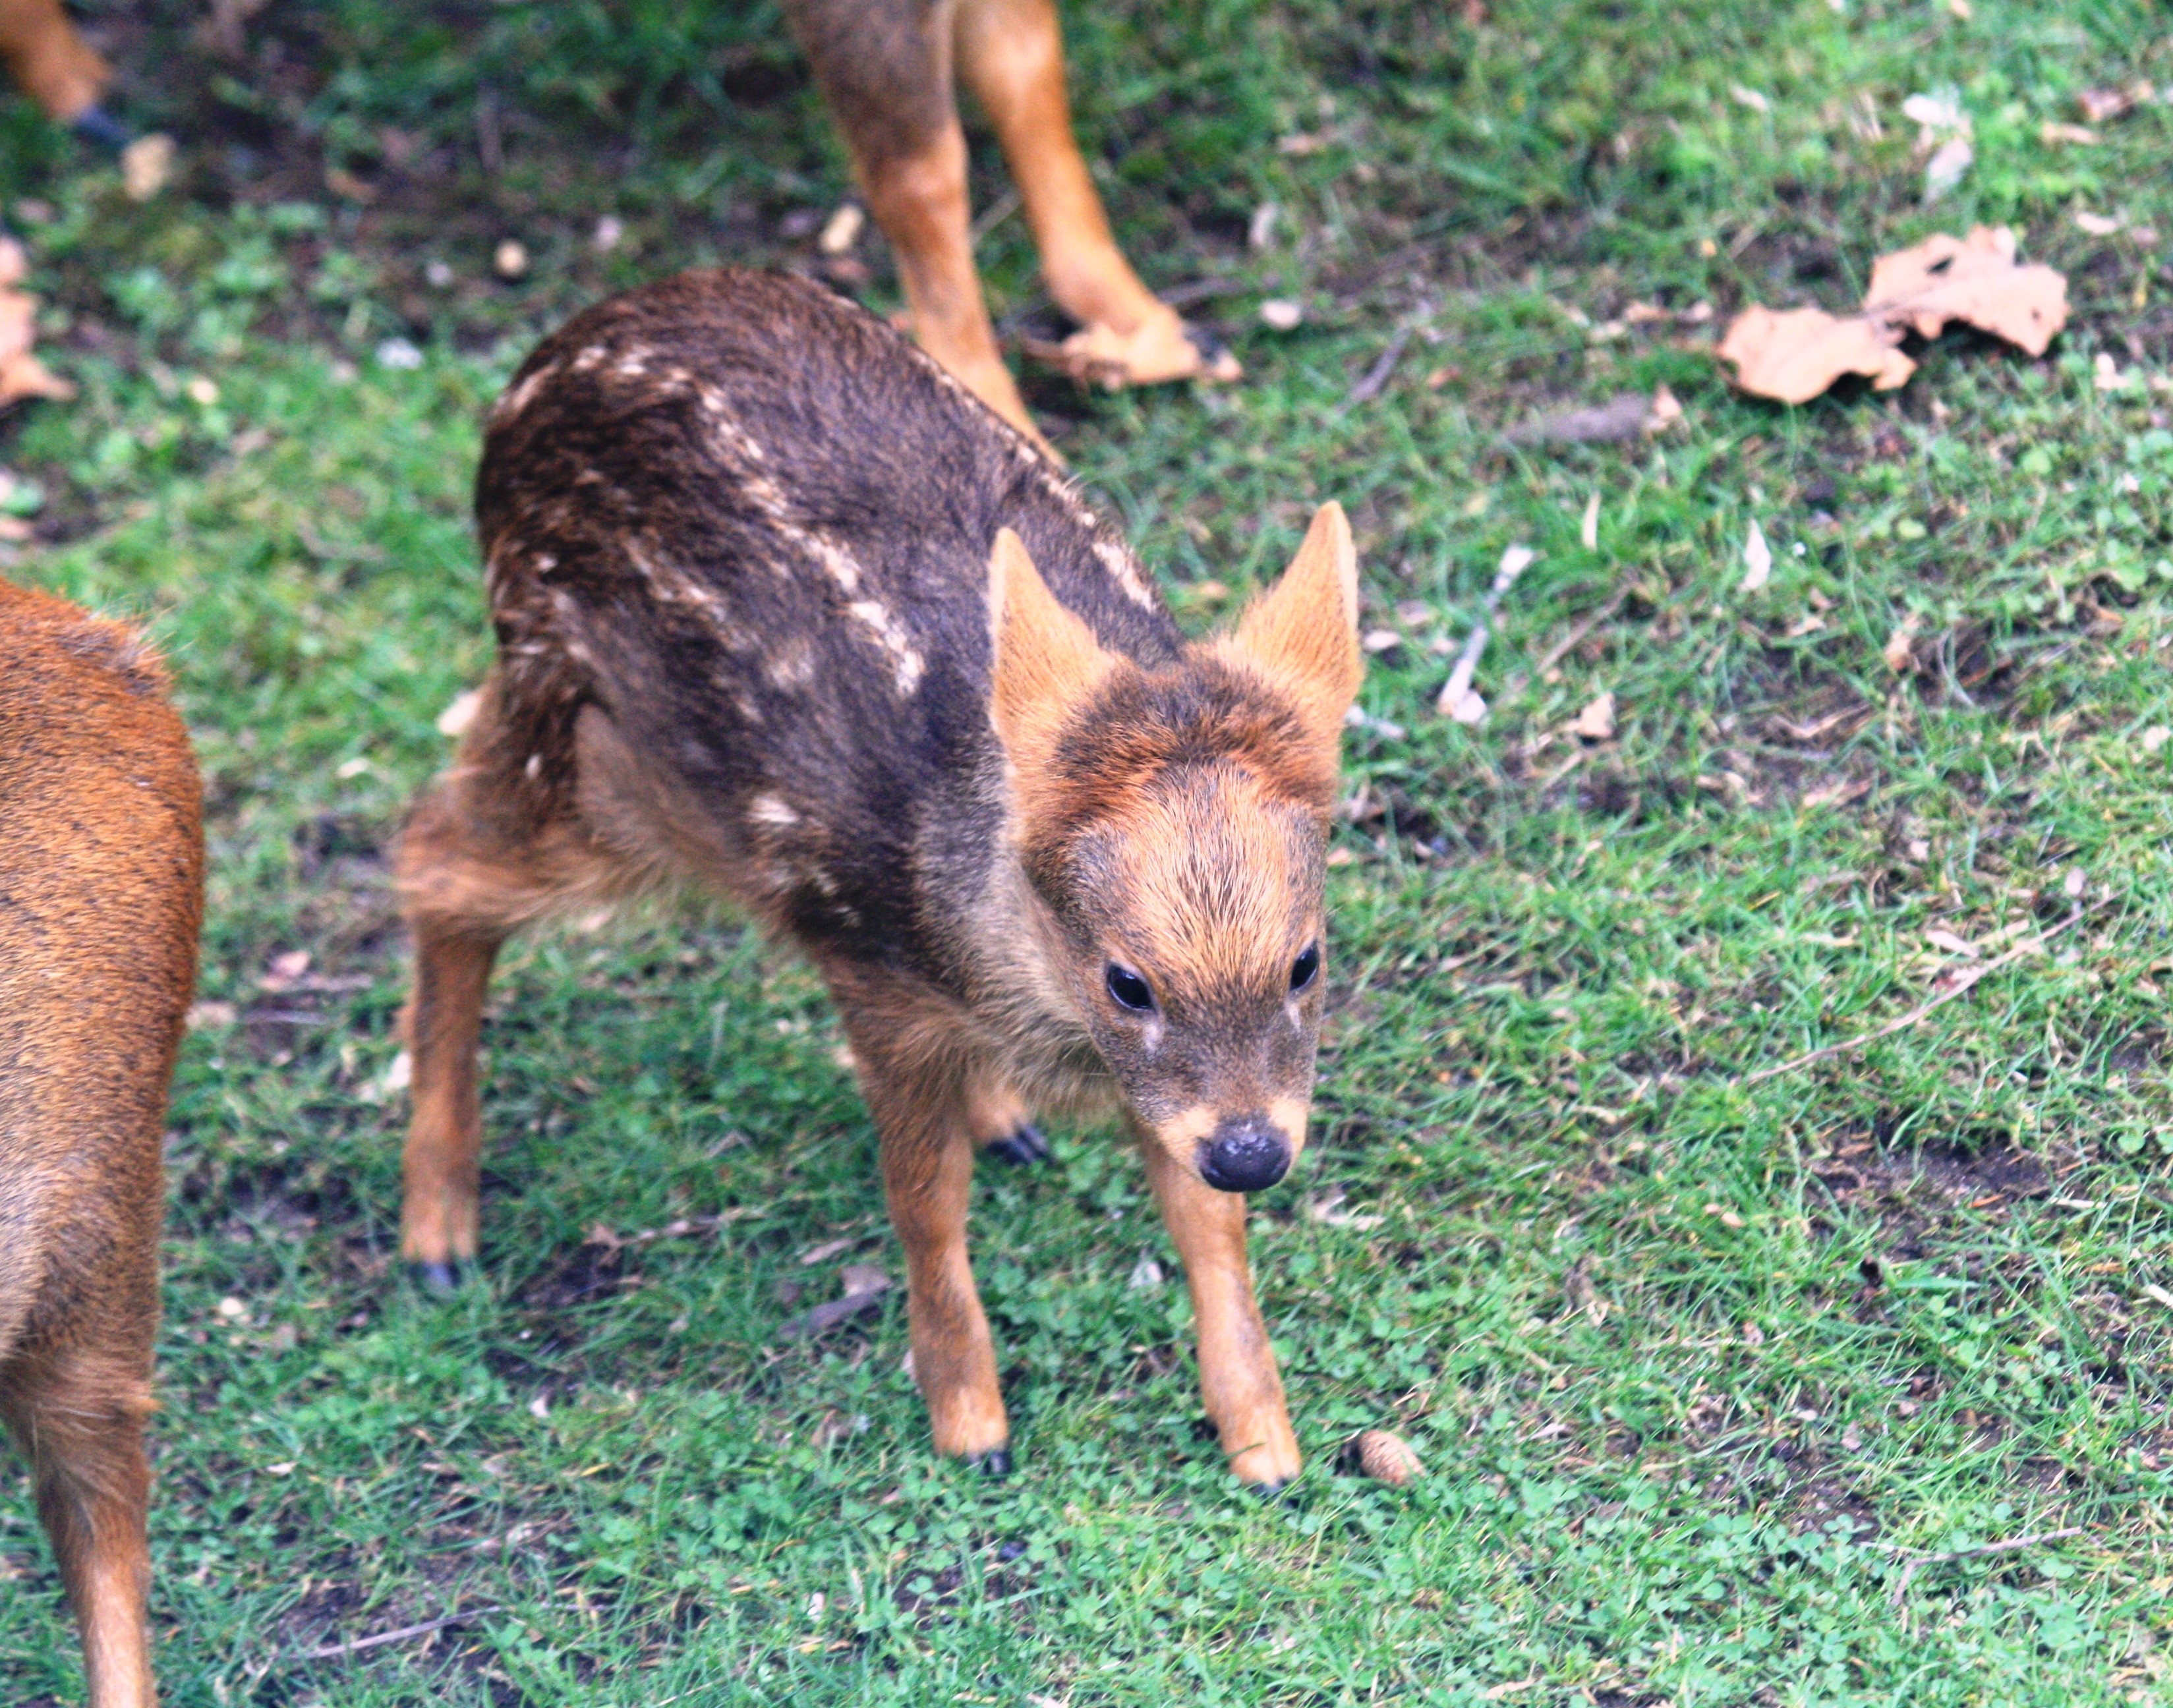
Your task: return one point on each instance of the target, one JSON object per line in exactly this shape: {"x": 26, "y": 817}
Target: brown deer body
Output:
{"x": 101, "y": 886}
{"x": 889, "y": 70}
{"x": 784, "y": 614}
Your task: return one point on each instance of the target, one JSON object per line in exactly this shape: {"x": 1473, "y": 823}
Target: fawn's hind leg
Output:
{"x": 78, "y": 1411}
{"x": 1238, "y": 1376}
{"x": 1010, "y": 54}
{"x": 441, "y": 1167}
{"x": 480, "y": 855}
{"x": 885, "y": 69}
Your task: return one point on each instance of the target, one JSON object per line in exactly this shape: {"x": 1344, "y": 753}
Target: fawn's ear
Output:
{"x": 1044, "y": 662}
{"x": 1302, "y": 632}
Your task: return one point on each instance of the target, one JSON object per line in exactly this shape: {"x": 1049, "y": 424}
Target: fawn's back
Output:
{"x": 752, "y": 526}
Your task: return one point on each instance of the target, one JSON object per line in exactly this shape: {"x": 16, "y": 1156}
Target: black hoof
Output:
{"x": 438, "y": 1280}
{"x": 1023, "y": 1149}
{"x": 100, "y": 129}
{"x": 995, "y": 1463}
{"x": 1211, "y": 348}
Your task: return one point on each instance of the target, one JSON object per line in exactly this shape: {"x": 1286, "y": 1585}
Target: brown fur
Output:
{"x": 784, "y": 615}
{"x": 888, "y": 68}
{"x": 49, "y": 61}
{"x": 101, "y": 883}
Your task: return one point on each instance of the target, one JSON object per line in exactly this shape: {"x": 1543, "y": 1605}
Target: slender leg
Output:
{"x": 1237, "y": 1374}
{"x": 1012, "y": 55}
{"x": 480, "y": 855}
{"x": 917, "y": 1088}
{"x": 49, "y": 61}
{"x": 1002, "y": 1126}
{"x": 80, "y": 1414}
{"x": 885, "y": 68}
{"x": 442, "y": 1164}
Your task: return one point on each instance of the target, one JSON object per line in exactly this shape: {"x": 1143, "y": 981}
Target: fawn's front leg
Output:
{"x": 924, "y": 1113}
{"x": 1237, "y": 1374}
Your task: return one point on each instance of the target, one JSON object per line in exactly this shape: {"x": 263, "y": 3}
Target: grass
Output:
{"x": 1699, "y": 1366}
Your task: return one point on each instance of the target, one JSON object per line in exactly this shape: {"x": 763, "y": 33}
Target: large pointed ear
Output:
{"x": 1302, "y": 632}
{"x": 1044, "y": 662}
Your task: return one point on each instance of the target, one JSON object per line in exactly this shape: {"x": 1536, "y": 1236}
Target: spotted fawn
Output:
{"x": 783, "y": 613}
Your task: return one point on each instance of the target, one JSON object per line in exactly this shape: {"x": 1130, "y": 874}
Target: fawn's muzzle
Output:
{"x": 1245, "y": 1153}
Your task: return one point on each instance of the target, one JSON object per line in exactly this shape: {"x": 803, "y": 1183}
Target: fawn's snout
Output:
{"x": 1245, "y": 1153}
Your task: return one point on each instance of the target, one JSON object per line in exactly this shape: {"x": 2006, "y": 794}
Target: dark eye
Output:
{"x": 1127, "y": 989}
{"x": 1305, "y": 968}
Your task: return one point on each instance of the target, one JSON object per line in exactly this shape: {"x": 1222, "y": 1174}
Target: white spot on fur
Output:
{"x": 512, "y": 402}
{"x": 768, "y": 809}
{"x": 1119, "y": 562}
{"x": 791, "y": 665}
{"x": 588, "y": 358}
{"x": 830, "y": 554}
{"x": 905, "y": 658}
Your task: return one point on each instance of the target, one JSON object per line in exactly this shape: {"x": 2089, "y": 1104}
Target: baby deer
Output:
{"x": 101, "y": 894}
{"x": 786, "y": 614}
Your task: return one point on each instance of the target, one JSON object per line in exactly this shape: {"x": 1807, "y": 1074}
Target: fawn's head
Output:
{"x": 1174, "y": 822}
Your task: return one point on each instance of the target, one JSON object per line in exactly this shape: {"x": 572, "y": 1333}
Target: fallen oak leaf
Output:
{"x": 1796, "y": 354}
{"x": 1976, "y": 279}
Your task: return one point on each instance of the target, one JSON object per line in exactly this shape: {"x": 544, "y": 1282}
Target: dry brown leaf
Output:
{"x": 1900, "y": 650}
{"x": 1976, "y": 279}
{"x": 1388, "y": 1458}
{"x": 1940, "y": 938}
{"x": 1841, "y": 792}
{"x": 1797, "y": 354}
{"x": 2052, "y": 133}
{"x": 1596, "y": 722}
{"x": 146, "y": 165}
{"x": 2100, "y": 105}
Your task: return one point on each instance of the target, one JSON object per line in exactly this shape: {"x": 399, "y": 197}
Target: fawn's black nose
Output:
{"x": 1246, "y": 1153}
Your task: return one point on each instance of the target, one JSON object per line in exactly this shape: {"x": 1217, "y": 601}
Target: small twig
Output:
{"x": 1556, "y": 654}
{"x": 1968, "y": 981}
{"x": 1376, "y": 378}
{"x": 1198, "y": 290}
{"x": 995, "y": 214}
{"x": 2013, "y": 1545}
{"x": 333, "y": 1652}
{"x": 1514, "y": 562}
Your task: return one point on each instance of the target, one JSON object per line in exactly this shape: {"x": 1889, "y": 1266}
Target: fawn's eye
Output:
{"x": 1127, "y": 989}
{"x": 1306, "y": 967}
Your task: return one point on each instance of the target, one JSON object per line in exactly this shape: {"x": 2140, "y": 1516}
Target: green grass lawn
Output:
{"x": 1724, "y": 1388}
